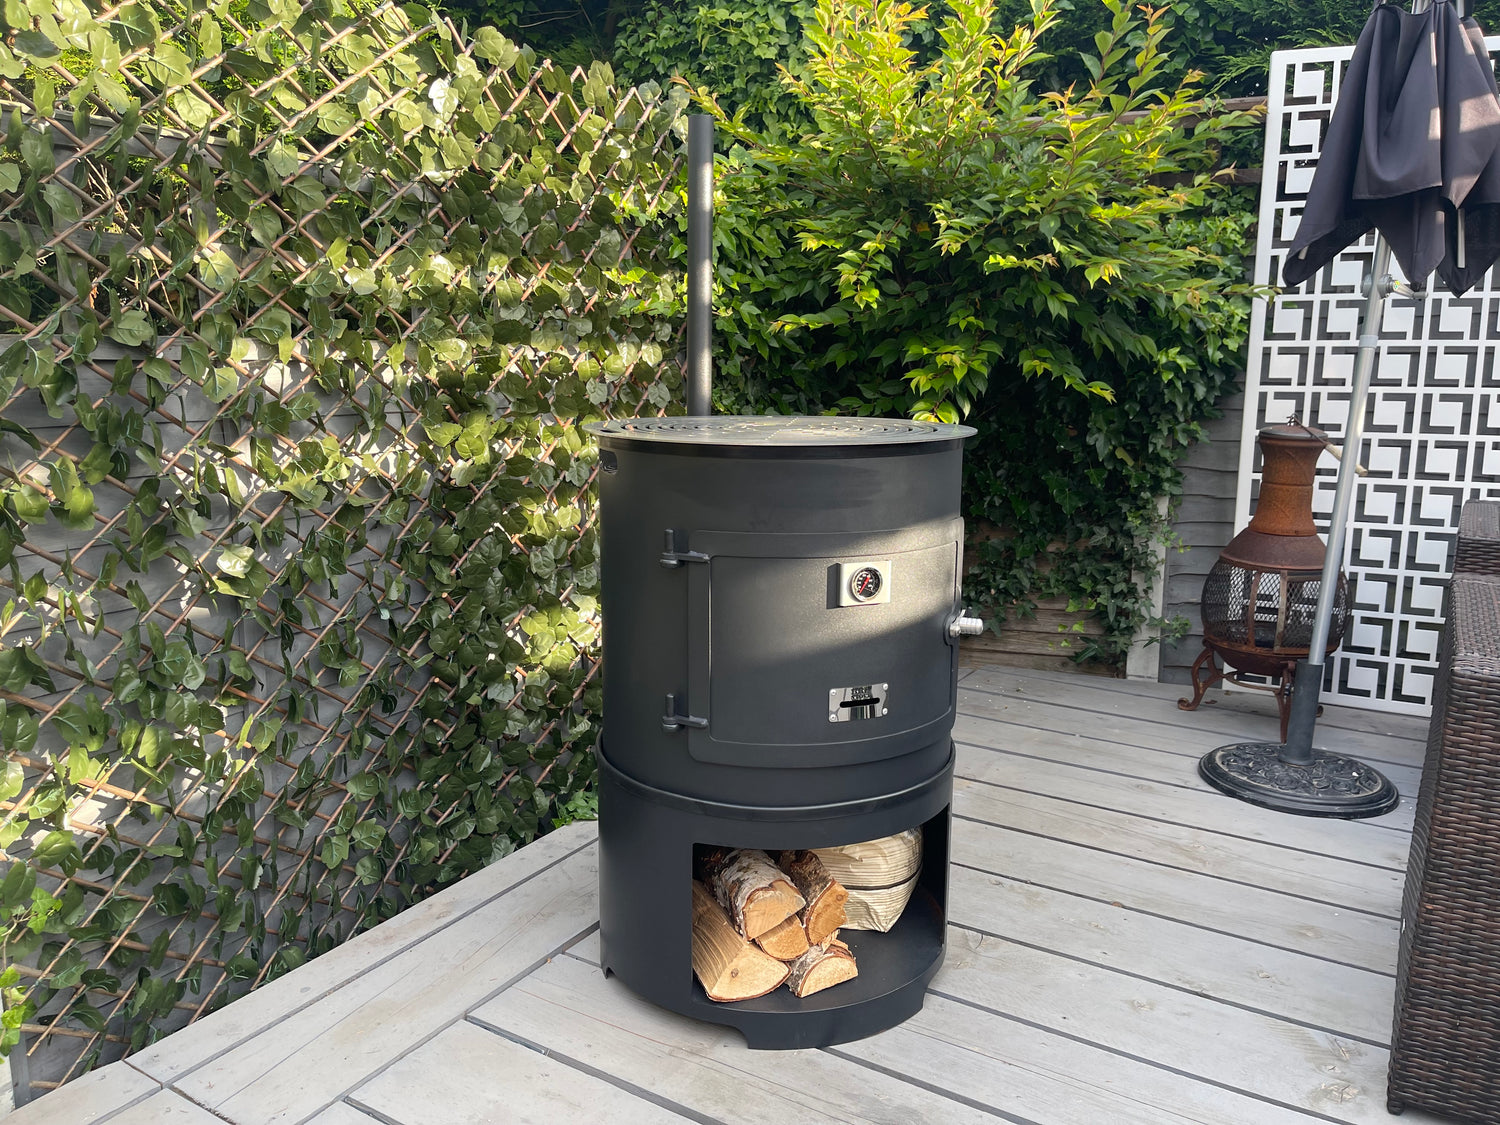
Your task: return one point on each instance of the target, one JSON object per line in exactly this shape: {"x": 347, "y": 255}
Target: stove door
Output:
{"x": 822, "y": 650}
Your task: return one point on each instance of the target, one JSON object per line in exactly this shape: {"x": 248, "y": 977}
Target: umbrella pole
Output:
{"x": 1309, "y": 682}
{"x": 1293, "y": 777}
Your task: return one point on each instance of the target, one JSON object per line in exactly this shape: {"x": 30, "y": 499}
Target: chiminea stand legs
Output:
{"x": 1282, "y": 691}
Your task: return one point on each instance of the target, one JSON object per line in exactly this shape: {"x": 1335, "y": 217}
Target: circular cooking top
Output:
{"x": 774, "y": 430}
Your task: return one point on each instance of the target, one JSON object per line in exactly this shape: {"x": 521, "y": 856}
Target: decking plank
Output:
{"x": 89, "y": 1098}
{"x": 282, "y": 998}
{"x": 1256, "y": 705}
{"x": 1254, "y": 1054}
{"x": 344, "y": 1114}
{"x": 1355, "y": 841}
{"x": 1247, "y": 974}
{"x": 1161, "y": 761}
{"x": 1317, "y": 929}
{"x": 570, "y": 1010}
{"x": 1117, "y": 713}
{"x": 471, "y": 1076}
{"x": 1373, "y": 890}
{"x": 1050, "y": 1079}
{"x": 310, "y": 1059}
{"x": 165, "y": 1107}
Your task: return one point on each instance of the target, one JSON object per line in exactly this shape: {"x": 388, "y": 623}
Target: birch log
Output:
{"x": 728, "y": 965}
{"x": 752, "y": 888}
{"x": 822, "y": 966}
{"x": 785, "y": 942}
{"x": 825, "y": 896}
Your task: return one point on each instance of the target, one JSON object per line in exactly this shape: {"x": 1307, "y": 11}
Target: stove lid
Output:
{"x": 779, "y": 430}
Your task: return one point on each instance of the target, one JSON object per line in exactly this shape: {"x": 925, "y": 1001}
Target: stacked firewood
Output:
{"x": 763, "y": 919}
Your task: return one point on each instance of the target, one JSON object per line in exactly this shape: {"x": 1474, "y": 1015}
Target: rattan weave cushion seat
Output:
{"x": 1445, "y": 1046}
{"x": 1478, "y": 550}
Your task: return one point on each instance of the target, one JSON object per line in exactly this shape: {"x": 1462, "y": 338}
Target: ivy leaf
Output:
{"x": 363, "y": 786}
{"x": 74, "y": 501}
{"x": 335, "y": 851}
{"x": 30, "y": 504}
{"x": 12, "y": 778}
{"x": 236, "y": 561}
{"x": 221, "y": 384}
{"x": 217, "y": 268}
{"x": 36, "y": 46}
{"x": 56, "y": 849}
{"x": 131, "y": 328}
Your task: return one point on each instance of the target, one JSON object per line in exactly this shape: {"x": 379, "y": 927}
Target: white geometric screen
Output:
{"x": 1432, "y": 423}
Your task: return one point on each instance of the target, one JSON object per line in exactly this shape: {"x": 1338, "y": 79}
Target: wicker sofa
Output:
{"x": 1445, "y": 1045}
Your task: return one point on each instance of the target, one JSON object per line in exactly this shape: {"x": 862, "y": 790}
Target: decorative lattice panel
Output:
{"x": 1432, "y": 430}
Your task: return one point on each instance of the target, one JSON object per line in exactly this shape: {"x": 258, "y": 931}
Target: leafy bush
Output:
{"x": 736, "y": 48}
{"x": 951, "y": 244}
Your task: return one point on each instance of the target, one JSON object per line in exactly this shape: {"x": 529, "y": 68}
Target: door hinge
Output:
{"x": 671, "y": 720}
{"x": 671, "y": 557}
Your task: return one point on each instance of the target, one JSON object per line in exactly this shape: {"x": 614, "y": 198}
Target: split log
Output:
{"x": 728, "y": 965}
{"x": 785, "y": 942}
{"x": 752, "y": 888}
{"x": 825, "y": 896}
{"x": 822, "y": 966}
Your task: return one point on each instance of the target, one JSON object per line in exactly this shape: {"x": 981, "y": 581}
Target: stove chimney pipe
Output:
{"x": 700, "y": 250}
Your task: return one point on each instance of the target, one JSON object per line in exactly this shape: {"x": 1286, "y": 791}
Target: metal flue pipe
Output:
{"x": 700, "y": 249}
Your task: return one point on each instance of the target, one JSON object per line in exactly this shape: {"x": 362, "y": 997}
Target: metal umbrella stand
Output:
{"x": 1411, "y": 151}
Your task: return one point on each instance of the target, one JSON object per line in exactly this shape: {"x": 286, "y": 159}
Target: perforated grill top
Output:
{"x": 774, "y": 430}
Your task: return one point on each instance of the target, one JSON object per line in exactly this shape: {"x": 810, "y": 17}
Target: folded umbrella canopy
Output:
{"x": 1413, "y": 150}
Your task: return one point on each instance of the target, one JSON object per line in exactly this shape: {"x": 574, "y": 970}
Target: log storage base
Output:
{"x": 645, "y": 932}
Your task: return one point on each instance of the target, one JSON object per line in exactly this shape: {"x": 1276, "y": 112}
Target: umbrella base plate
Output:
{"x": 1330, "y": 785}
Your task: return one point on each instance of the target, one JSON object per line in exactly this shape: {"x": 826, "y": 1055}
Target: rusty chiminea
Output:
{"x": 1260, "y": 600}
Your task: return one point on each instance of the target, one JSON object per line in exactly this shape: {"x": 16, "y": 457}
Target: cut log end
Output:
{"x": 751, "y": 887}
{"x": 824, "y": 895}
{"x": 822, "y": 966}
{"x": 785, "y": 942}
{"x": 727, "y": 965}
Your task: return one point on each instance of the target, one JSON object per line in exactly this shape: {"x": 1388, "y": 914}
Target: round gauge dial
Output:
{"x": 865, "y": 583}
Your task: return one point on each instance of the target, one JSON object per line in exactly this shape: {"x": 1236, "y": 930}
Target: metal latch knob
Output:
{"x": 965, "y": 626}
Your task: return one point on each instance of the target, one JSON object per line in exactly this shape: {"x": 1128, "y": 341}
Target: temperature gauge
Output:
{"x": 867, "y": 582}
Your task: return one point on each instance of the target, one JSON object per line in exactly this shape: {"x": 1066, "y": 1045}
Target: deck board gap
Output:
{"x": 930, "y": 1087}
{"x": 369, "y": 1111}
{"x": 619, "y": 1082}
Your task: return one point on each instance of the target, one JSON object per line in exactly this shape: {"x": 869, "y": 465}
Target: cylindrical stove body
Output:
{"x": 793, "y": 599}
{"x": 779, "y": 672}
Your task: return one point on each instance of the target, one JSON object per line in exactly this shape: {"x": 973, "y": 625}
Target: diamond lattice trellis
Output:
{"x": 1432, "y": 437}
{"x": 300, "y": 309}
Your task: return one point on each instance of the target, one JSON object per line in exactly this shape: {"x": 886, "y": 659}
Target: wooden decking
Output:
{"x": 1126, "y": 946}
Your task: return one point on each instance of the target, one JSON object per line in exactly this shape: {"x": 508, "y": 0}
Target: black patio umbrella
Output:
{"x": 1413, "y": 152}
